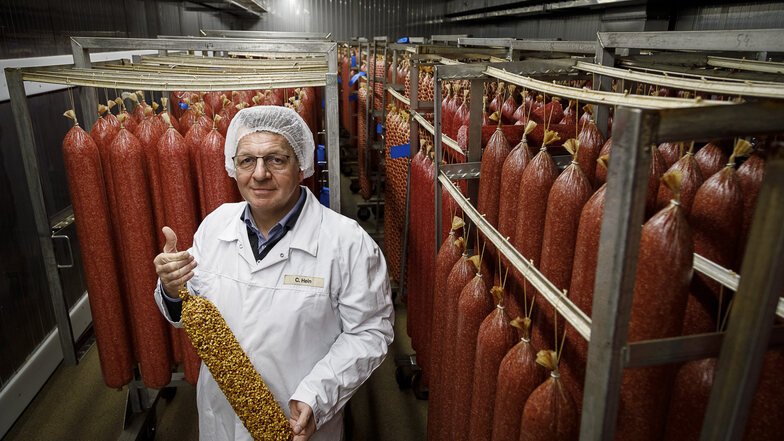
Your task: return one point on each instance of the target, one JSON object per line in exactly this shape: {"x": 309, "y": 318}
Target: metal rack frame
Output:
{"x": 752, "y": 318}
{"x": 81, "y": 50}
{"x": 758, "y": 42}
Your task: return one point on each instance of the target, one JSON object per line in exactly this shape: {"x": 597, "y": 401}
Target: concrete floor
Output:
{"x": 76, "y": 405}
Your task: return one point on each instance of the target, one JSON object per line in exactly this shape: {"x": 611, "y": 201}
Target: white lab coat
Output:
{"x": 314, "y": 316}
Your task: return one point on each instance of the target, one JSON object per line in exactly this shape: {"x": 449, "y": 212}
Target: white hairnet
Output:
{"x": 273, "y": 119}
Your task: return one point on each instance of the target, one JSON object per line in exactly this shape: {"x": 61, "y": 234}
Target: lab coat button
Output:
{"x": 281, "y": 254}
{"x": 258, "y": 262}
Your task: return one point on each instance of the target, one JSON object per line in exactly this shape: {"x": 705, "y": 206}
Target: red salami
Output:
{"x": 496, "y": 336}
{"x": 661, "y": 290}
{"x": 711, "y": 158}
{"x": 548, "y": 114}
{"x": 474, "y": 305}
{"x": 462, "y": 273}
{"x": 461, "y": 114}
{"x": 658, "y": 168}
{"x": 586, "y": 254}
{"x": 448, "y": 255}
{"x": 129, "y": 123}
{"x": 181, "y": 215}
{"x": 511, "y": 174}
{"x": 138, "y": 250}
{"x": 692, "y": 180}
{"x": 750, "y": 175}
{"x": 568, "y": 195}
{"x": 671, "y": 152}
{"x": 509, "y": 107}
{"x": 591, "y": 142}
{"x": 549, "y": 412}
{"x": 600, "y": 177}
{"x": 91, "y": 210}
{"x": 717, "y": 220}
{"x": 518, "y": 376}
{"x": 691, "y": 393}
{"x": 161, "y": 124}
{"x": 194, "y": 139}
{"x": 535, "y": 183}
{"x": 148, "y": 136}
{"x": 218, "y": 187}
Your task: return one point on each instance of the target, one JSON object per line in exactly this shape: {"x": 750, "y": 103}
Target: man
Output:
{"x": 304, "y": 289}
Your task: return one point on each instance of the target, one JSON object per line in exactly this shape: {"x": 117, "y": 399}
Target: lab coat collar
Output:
{"x": 304, "y": 236}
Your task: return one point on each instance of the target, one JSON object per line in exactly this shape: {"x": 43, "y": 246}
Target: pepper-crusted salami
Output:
{"x": 717, "y": 219}
{"x": 511, "y": 174}
{"x": 549, "y": 412}
{"x": 91, "y": 210}
{"x": 537, "y": 179}
{"x": 518, "y": 376}
{"x": 496, "y": 336}
{"x": 711, "y": 158}
{"x": 474, "y": 305}
{"x": 692, "y": 180}
{"x": 138, "y": 250}
{"x": 448, "y": 255}
{"x": 661, "y": 290}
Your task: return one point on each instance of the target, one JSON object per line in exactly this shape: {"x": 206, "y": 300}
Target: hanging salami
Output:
{"x": 549, "y": 412}
{"x": 661, "y": 289}
{"x": 711, "y": 158}
{"x": 91, "y": 210}
{"x": 691, "y": 181}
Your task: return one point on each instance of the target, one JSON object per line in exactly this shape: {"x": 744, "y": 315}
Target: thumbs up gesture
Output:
{"x": 173, "y": 268}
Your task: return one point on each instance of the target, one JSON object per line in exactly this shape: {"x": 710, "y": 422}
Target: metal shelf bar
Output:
{"x": 745, "y": 89}
{"x": 275, "y": 35}
{"x": 751, "y": 40}
{"x": 449, "y": 142}
{"x": 744, "y": 64}
{"x": 564, "y": 306}
{"x": 598, "y": 96}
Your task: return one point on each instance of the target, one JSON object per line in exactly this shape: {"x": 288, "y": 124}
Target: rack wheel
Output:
{"x": 417, "y": 385}
{"x": 403, "y": 377}
{"x": 363, "y": 213}
{"x": 354, "y": 186}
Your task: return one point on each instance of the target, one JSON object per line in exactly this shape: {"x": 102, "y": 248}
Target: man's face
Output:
{"x": 270, "y": 192}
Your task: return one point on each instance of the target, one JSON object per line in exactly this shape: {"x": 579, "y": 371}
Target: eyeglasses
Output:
{"x": 273, "y": 162}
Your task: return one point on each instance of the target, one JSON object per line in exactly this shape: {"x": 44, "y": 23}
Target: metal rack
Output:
{"x": 551, "y": 48}
{"x": 84, "y": 74}
{"x": 651, "y": 122}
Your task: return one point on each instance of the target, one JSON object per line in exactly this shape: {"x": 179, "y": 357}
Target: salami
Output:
{"x": 600, "y": 176}
{"x": 462, "y": 273}
{"x": 692, "y": 180}
{"x": 461, "y": 114}
{"x": 691, "y": 393}
{"x": 511, "y": 174}
{"x": 450, "y": 252}
{"x": 91, "y": 210}
{"x": 671, "y": 152}
{"x": 138, "y": 250}
{"x": 474, "y": 305}
{"x": 658, "y": 168}
{"x": 661, "y": 290}
{"x": 549, "y": 412}
{"x": 591, "y": 142}
{"x": 130, "y": 123}
{"x": 194, "y": 138}
{"x": 711, "y": 159}
{"x": 568, "y": 195}
{"x": 148, "y": 136}
{"x": 161, "y": 123}
{"x": 586, "y": 254}
{"x": 518, "y": 377}
{"x": 750, "y": 175}
{"x": 216, "y": 185}
{"x": 717, "y": 220}
{"x": 509, "y": 107}
{"x": 181, "y": 215}
{"x": 496, "y": 336}
{"x": 535, "y": 183}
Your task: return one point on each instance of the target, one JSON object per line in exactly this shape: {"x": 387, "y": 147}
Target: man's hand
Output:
{"x": 302, "y": 423}
{"x": 173, "y": 268}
